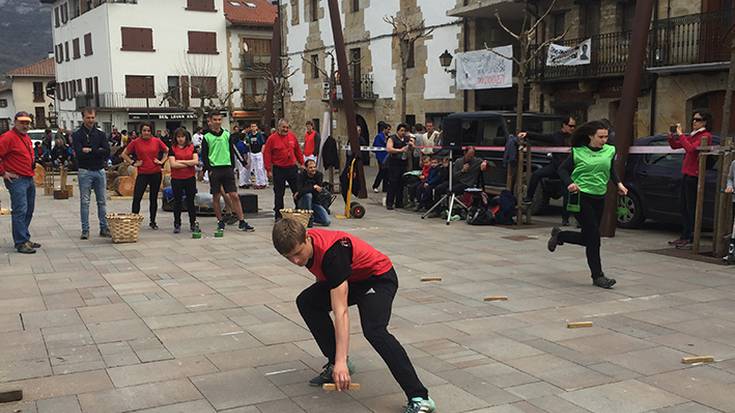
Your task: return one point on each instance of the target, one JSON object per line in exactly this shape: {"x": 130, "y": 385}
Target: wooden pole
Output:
{"x": 519, "y": 185}
{"x": 723, "y": 215}
{"x": 527, "y": 179}
{"x": 347, "y": 92}
{"x": 700, "y": 199}
{"x": 624, "y": 120}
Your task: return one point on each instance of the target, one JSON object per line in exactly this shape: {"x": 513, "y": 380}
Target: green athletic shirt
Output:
{"x": 592, "y": 168}
{"x": 218, "y": 152}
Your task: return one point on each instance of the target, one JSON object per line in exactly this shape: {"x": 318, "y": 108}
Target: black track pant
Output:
{"x": 688, "y": 206}
{"x": 380, "y": 177}
{"x": 186, "y": 187}
{"x": 141, "y": 182}
{"x": 280, "y": 177}
{"x": 589, "y": 217}
{"x": 374, "y": 299}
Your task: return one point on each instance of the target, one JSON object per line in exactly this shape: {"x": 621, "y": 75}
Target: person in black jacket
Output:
{"x": 309, "y": 187}
{"x": 558, "y": 138}
{"x": 91, "y": 150}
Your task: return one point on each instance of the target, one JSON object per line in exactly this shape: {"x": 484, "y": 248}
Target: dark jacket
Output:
{"x": 97, "y": 141}
{"x": 472, "y": 176}
{"x": 305, "y": 183}
{"x": 330, "y": 155}
{"x": 557, "y": 138}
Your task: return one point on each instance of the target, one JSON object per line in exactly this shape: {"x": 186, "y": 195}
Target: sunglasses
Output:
{"x": 697, "y": 119}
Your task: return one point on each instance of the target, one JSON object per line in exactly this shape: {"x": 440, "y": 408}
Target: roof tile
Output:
{"x": 242, "y": 12}
{"x": 43, "y": 68}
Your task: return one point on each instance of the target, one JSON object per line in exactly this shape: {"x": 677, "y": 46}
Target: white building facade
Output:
{"x": 375, "y": 69}
{"x": 139, "y": 60}
{"x": 7, "y": 107}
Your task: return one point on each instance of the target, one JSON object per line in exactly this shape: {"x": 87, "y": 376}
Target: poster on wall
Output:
{"x": 483, "y": 69}
{"x": 580, "y": 54}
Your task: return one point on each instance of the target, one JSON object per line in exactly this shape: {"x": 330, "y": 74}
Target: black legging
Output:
{"x": 380, "y": 177}
{"x": 280, "y": 177}
{"x": 141, "y": 182}
{"x": 189, "y": 188}
{"x": 374, "y": 299}
{"x": 394, "y": 197}
{"x": 589, "y": 217}
{"x": 688, "y": 206}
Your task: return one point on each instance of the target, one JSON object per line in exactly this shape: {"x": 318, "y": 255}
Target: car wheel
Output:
{"x": 630, "y": 211}
{"x": 539, "y": 201}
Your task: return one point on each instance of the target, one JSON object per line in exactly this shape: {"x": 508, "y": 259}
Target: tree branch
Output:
{"x": 518, "y": 62}
{"x": 507, "y": 30}
{"x": 548, "y": 42}
{"x": 543, "y": 16}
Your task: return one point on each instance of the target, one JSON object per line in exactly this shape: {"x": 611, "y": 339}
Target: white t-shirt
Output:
{"x": 197, "y": 139}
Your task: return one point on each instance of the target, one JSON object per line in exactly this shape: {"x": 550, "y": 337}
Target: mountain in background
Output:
{"x": 25, "y": 33}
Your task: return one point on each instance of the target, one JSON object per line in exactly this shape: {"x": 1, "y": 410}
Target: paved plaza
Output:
{"x": 173, "y": 324}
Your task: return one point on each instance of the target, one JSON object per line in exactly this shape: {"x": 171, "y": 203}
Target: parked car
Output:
{"x": 37, "y": 135}
{"x": 493, "y": 129}
{"x": 654, "y": 182}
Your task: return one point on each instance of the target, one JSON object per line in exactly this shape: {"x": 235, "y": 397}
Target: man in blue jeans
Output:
{"x": 16, "y": 168}
{"x": 91, "y": 150}
{"x": 309, "y": 187}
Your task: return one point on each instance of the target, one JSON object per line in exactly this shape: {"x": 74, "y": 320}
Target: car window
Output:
{"x": 493, "y": 132}
{"x": 470, "y": 128}
{"x": 670, "y": 160}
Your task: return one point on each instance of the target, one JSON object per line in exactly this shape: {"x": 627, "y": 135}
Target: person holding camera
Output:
{"x": 586, "y": 174}
{"x": 701, "y": 126}
{"x": 310, "y": 190}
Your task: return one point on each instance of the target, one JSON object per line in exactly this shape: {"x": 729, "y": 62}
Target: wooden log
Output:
{"x": 333, "y": 387}
{"x": 579, "y": 324}
{"x": 697, "y": 359}
{"x": 496, "y": 298}
{"x": 430, "y": 279}
{"x": 11, "y": 396}
{"x": 124, "y": 185}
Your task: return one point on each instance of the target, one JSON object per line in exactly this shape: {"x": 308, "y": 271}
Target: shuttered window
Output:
{"x": 137, "y": 39}
{"x": 59, "y": 53}
{"x": 200, "y": 5}
{"x": 139, "y": 86}
{"x": 203, "y": 42}
{"x": 76, "y": 48}
{"x": 203, "y": 86}
{"x": 88, "y": 44}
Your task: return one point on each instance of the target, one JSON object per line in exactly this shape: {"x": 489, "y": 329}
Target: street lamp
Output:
{"x": 446, "y": 60}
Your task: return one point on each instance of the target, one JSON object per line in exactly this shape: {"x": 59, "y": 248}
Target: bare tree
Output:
{"x": 279, "y": 80}
{"x": 408, "y": 31}
{"x": 528, "y": 52}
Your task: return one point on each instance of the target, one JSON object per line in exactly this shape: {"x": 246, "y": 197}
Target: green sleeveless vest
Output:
{"x": 592, "y": 168}
{"x": 219, "y": 149}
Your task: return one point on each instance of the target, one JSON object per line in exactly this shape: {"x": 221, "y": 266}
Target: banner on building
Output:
{"x": 483, "y": 69}
{"x": 569, "y": 56}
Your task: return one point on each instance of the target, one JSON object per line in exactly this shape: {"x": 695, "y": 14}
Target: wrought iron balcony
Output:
{"x": 685, "y": 40}
{"x": 362, "y": 89}
{"x": 113, "y": 100}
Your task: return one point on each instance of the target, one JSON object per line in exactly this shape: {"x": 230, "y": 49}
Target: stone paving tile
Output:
{"x": 630, "y": 396}
{"x": 64, "y": 385}
{"x": 706, "y": 385}
{"x": 236, "y": 388}
{"x": 139, "y": 397}
{"x": 66, "y": 404}
{"x": 160, "y": 371}
{"x": 121, "y": 330}
{"x": 197, "y": 406}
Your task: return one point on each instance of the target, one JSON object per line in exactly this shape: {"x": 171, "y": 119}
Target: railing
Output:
{"x": 114, "y": 100}
{"x": 692, "y": 39}
{"x": 362, "y": 89}
{"x": 253, "y": 101}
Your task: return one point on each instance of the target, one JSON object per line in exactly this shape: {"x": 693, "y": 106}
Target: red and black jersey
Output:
{"x": 339, "y": 256}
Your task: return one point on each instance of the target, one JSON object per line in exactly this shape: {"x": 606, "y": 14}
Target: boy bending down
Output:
{"x": 348, "y": 272}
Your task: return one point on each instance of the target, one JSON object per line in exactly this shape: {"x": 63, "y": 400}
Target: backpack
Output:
{"x": 506, "y": 203}
{"x": 480, "y": 213}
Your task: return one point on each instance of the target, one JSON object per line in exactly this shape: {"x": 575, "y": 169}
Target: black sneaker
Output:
{"x": 153, "y": 225}
{"x": 85, "y": 235}
{"x": 326, "y": 375}
{"x": 554, "y": 239}
{"x": 565, "y": 222}
{"x": 34, "y": 245}
{"x": 105, "y": 233}
{"x": 244, "y": 226}
{"x": 526, "y": 201}
{"x": 194, "y": 227}
{"x": 25, "y": 248}
{"x": 221, "y": 225}
{"x": 603, "y": 282}
{"x": 177, "y": 229}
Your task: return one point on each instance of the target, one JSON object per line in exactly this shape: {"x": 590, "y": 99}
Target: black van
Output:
{"x": 484, "y": 129}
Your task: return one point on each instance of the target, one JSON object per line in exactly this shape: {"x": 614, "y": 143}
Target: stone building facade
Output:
{"x": 686, "y": 68}
{"x": 373, "y": 51}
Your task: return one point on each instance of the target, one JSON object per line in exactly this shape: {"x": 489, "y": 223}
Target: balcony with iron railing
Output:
{"x": 362, "y": 89}
{"x": 113, "y": 100}
{"x": 687, "y": 40}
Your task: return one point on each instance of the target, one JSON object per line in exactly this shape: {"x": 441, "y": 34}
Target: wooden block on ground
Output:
{"x": 697, "y": 359}
{"x": 429, "y": 279}
{"x": 496, "y": 298}
{"x": 333, "y": 387}
{"x": 579, "y": 324}
{"x": 11, "y": 396}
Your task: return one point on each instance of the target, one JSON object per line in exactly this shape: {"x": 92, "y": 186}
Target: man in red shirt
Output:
{"x": 16, "y": 168}
{"x": 282, "y": 157}
{"x": 348, "y": 272}
{"x": 311, "y": 142}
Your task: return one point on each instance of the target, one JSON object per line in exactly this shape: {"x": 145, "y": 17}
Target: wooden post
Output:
{"x": 723, "y": 203}
{"x": 519, "y": 185}
{"x": 527, "y": 179}
{"x": 700, "y": 199}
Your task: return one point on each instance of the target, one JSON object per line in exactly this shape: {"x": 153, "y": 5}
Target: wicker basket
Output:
{"x": 124, "y": 227}
{"x": 301, "y": 215}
